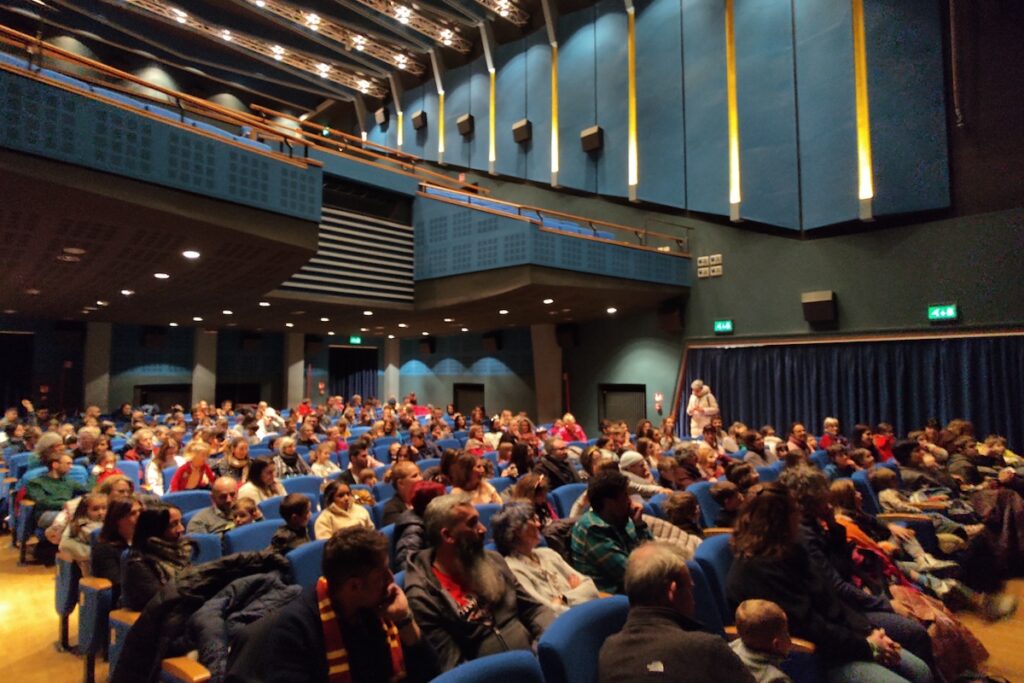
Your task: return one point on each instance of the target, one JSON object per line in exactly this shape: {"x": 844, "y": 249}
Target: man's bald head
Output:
{"x": 223, "y": 493}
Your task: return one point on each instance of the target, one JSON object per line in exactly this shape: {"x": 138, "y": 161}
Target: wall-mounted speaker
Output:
{"x": 819, "y": 307}
{"x": 419, "y": 120}
{"x": 492, "y": 342}
{"x": 522, "y": 131}
{"x": 567, "y": 335}
{"x": 465, "y": 124}
{"x": 381, "y": 116}
{"x": 592, "y": 139}
{"x": 428, "y": 346}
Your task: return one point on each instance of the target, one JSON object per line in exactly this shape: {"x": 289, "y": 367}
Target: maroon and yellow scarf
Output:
{"x": 334, "y": 645}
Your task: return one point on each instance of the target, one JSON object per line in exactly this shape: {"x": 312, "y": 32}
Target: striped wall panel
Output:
{"x": 359, "y": 257}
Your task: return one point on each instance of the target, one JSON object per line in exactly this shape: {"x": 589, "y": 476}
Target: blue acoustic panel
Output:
{"x": 538, "y": 105}
{"x": 661, "y": 148}
{"x": 766, "y": 101}
{"x": 707, "y": 113}
{"x": 456, "y": 103}
{"x": 826, "y": 103}
{"x": 479, "y": 107}
{"x": 369, "y": 174}
{"x": 577, "y": 106}
{"x": 611, "y": 41}
{"x": 510, "y": 104}
{"x": 908, "y": 116}
{"x": 412, "y": 101}
{"x": 428, "y": 136}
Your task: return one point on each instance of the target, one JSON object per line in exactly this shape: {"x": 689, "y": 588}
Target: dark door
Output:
{"x": 353, "y": 370}
{"x": 164, "y": 395}
{"x": 15, "y": 368}
{"x": 467, "y": 396}
{"x": 622, "y": 402}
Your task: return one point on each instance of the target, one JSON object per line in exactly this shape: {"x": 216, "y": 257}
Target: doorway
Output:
{"x": 163, "y": 395}
{"x": 466, "y": 397}
{"x": 622, "y": 402}
{"x": 352, "y": 370}
{"x": 15, "y": 367}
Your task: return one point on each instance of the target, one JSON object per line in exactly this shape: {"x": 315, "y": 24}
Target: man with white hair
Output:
{"x": 466, "y": 599}
{"x": 701, "y": 408}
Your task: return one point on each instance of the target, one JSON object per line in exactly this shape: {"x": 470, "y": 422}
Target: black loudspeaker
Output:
{"x": 419, "y": 119}
{"x": 592, "y": 138}
{"x": 428, "y": 346}
{"x": 819, "y": 307}
{"x": 465, "y": 124}
{"x": 492, "y": 342}
{"x": 381, "y": 116}
{"x": 671, "y": 315}
{"x": 522, "y": 130}
{"x": 568, "y": 335}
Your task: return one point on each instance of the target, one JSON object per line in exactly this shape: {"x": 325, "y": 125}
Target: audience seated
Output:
{"x": 358, "y": 460}
{"x": 236, "y": 460}
{"x": 729, "y": 498}
{"x": 50, "y": 491}
{"x": 296, "y": 511}
{"x": 758, "y": 454}
{"x": 764, "y": 640}
{"x": 159, "y": 553}
{"x": 287, "y": 461}
{"x": 403, "y": 477}
{"x": 533, "y": 489}
{"x": 321, "y": 463}
{"x": 410, "y": 529}
{"x": 245, "y": 511}
{"x": 642, "y": 484}
{"x": 555, "y": 465}
{"x": 114, "y": 538}
{"x": 661, "y": 639}
{"x": 800, "y": 441}
{"x": 841, "y": 464}
{"x": 263, "y": 482}
{"x": 195, "y": 473}
{"x": 88, "y": 517}
{"x": 467, "y": 476}
{"x": 339, "y": 511}
{"x": 165, "y": 456}
{"x": 467, "y": 599}
{"x": 219, "y": 517}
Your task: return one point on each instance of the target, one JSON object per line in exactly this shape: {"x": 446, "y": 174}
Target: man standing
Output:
{"x": 354, "y": 626}
{"x": 217, "y": 518}
{"x": 660, "y": 637}
{"x": 701, "y": 407}
{"x": 604, "y": 536}
{"x": 467, "y": 599}
{"x": 555, "y": 464}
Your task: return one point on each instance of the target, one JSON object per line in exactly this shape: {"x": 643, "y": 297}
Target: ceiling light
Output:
{"x": 260, "y": 3}
{"x": 503, "y": 311}
{"x": 227, "y": 312}
{"x": 161, "y": 276}
{"x": 548, "y": 302}
{"x": 74, "y": 251}
{"x": 323, "y": 69}
{"x": 179, "y": 15}
{"x": 391, "y": 336}
{"x": 367, "y": 312}
{"x": 289, "y": 324}
{"x": 90, "y": 308}
{"x": 465, "y": 329}
{"x": 32, "y": 291}
{"x": 127, "y": 292}
{"x": 264, "y": 304}
{"x": 401, "y": 61}
{"x": 449, "y": 320}
{"x": 403, "y": 14}
{"x": 503, "y": 7}
{"x": 359, "y": 42}
{"x": 446, "y": 36}
{"x": 226, "y": 35}
{"x": 402, "y": 325}
{"x": 612, "y": 309}
{"x": 330, "y": 334}
{"x": 312, "y": 21}
{"x": 173, "y": 324}
{"x": 364, "y": 329}
{"x": 325, "y": 320}
{"x": 364, "y": 86}
{"x": 101, "y": 302}
{"x": 278, "y": 52}
{"x": 69, "y": 258}
{"x": 425, "y": 334}
{"x": 197, "y": 318}
{"x": 9, "y": 311}
{"x": 190, "y": 254}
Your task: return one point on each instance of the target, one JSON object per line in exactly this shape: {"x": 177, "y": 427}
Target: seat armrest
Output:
{"x": 798, "y": 644}
{"x": 902, "y": 517}
{"x": 717, "y": 531}
{"x": 125, "y": 616}
{"x": 932, "y": 505}
{"x": 185, "y": 670}
{"x": 95, "y": 583}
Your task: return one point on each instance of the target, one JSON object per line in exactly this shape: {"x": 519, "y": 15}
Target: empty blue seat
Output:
{"x": 487, "y": 511}
{"x": 251, "y": 537}
{"x": 308, "y": 484}
{"x": 568, "y": 650}
{"x": 565, "y": 496}
{"x": 383, "y": 492}
{"x": 306, "y": 562}
{"x": 186, "y": 501}
{"x": 501, "y": 483}
{"x": 709, "y": 509}
{"x": 519, "y": 666}
{"x": 427, "y": 463}
{"x": 271, "y": 507}
{"x": 445, "y": 444}
{"x": 381, "y": 452}
{"x": 206, "y": 547}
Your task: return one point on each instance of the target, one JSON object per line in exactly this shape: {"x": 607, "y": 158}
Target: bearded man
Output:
{"x": 467, "y": 600}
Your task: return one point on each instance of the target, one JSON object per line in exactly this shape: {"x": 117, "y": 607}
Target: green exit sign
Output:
{"x": 723, "y": 327}
{"x": 943, "y": 312}
{"x": 355, "y": 340}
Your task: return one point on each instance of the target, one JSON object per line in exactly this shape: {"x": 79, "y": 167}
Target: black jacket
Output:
{"x": 518, "y": 619}
{"x": 831, "y": 558}
{"x": 558, "y": 472}
{"x": 660, "y": 635}
{"x": 410, "y": 538}
{"x": 288, "y": 647}
{"x": 393, "y": 509}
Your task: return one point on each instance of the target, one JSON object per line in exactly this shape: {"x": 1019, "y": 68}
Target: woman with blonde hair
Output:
{"x": 195, "y": 473}
{"x": 570, "y": 430}
{"x": 166, "y": 456}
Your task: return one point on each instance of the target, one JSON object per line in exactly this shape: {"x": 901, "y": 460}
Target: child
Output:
{"x": 295, "y": 511}
{"x": 884, "y": 441}
{"x": 367, "y": 477}
{"x": 245, "y": 511}
{"x": 106, "y": 462}
{"x": 729, "y": 497}
{"x": 842, "y": 465}
{"x": 885, "y": 483}
{"x": 322, "y": 465}
{"x": 89, "y": 516}
{"x": 764, "y": 640}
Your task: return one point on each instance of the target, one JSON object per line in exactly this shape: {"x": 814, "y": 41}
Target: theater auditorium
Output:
{"x": 560, "y": 341}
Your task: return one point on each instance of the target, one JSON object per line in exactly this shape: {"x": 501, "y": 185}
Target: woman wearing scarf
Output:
{"x": 236, "y": 461}
{"x": 159, "y": 553}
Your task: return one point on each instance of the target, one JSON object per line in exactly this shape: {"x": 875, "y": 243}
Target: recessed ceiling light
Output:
{"x": 197, "y": 318}
{"x": 68, "y": 258}
{"x": 32, "y": 291}
{"x": 161, "y": 276}
{"x": 503, "y": 311}
{"x": 9, "y": 311}
{"x": 612, "y": 309}
{"x": 465, "y": 329}
{"x": 127, "y": 292}
{"x": 74, "y": 251}
{"x": 173, "y": 324}
{"x": 449, "y": 320}
{"x": 227, "y": 312}
{"x": 100, "y": 302}
{"x": 425, "y": 334}
{"x": 402, "y": 325}
{"x": 87, "y": 309}
{"x": 264, "y": 304}
{"x": 566, "y": 310}
{"x": 330, "y": 334}
{"x": 364, "y": 329}
{"x": 367, "y": 312}
{"x": 298, "y": 312}
{"x": 289, "y": 324}
{"x": 548, "y": 302}
{"x": 190, "y": 254}
{"x": 391, "y": 336}
{"x": 325, "y": 320}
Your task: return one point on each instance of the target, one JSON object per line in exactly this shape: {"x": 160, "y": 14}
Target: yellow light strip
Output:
{"x": 440, "y": 123}
{"x": 401, "y": 135}
{"x": 554, "y": 109}
{"x": 633, "y": 173}
{"x": 734, "y": 120}
{"x": 492, "y": 141}
{"x": 866, "y": 188}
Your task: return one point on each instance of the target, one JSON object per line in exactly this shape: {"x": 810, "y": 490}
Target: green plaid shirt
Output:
{"x": 600, "y": 551}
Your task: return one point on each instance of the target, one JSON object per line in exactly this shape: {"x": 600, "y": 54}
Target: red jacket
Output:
{"x": 178, "y": 483}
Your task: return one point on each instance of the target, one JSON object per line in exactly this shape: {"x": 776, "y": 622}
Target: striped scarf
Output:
{"x": 337, "y": 656}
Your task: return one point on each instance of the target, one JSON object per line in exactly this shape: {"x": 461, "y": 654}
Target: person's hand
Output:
{"x": 636, "y": 512}
{"x": 395, "y": 607}
{"x": 901, "y": 533}
{"x": 511, "y": 471}
{"x": 1006, "y": 475}
{"x": 885, "y": 649}
{"x": 27, "y": 404}
{"x": 812, "y": 443}
{"x": 574, "y": 580}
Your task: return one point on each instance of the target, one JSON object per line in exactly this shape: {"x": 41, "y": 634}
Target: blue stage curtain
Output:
{"x": 353, "y": 371}
{"x": 980, "y": 379}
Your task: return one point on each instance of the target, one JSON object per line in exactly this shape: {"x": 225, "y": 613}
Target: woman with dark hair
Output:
{"x": 771, "y": 563}
{"x": 458, "y": 422}
{"x": 262, "y": 483}
{"x": 114, "y": 538}
{"x": 166, "y": 456}
{"x": 644, "y": 429}
{"x": 757, "y": 454}
{"x": 861, "y": 437}
{"x": 523, "y": 459}
{"x": 159, "y": 553}
{"x": 467, "y": 476}
{"x": 236, "y": 461}
{"x": 533, "y": 488}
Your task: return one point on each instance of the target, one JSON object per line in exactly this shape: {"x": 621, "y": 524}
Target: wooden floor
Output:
{"x": 29, "y": 630}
